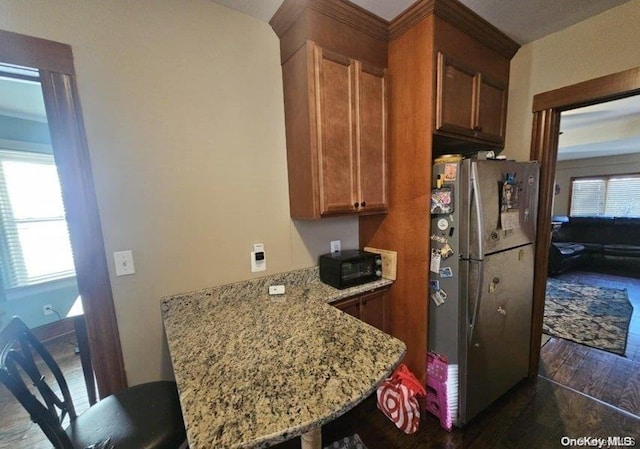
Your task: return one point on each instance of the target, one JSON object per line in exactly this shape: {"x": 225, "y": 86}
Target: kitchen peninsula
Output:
{"x": 253, "y": 370}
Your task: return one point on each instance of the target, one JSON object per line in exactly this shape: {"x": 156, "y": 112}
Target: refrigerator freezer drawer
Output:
{"x": 495, "y": 336}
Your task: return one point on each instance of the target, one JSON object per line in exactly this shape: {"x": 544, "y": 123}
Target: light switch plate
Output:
{"x": 124, "y": 263}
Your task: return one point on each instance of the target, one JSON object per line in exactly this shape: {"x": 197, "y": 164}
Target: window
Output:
{"x": 35, "y": 244}
{"x": 609, "y": 196}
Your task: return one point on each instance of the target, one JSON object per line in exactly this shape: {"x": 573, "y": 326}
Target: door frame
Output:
{"x": 547, "y": 107}
{"x": 68, "y": 139}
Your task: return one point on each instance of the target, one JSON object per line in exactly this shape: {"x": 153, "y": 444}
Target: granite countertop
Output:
{"x": 253, "y": 370}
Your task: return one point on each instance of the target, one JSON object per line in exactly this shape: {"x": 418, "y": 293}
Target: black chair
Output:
{"x": 141, "y": 417}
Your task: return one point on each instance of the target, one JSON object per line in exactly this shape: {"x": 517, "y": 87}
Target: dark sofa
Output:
{"x": 608, "y": 244}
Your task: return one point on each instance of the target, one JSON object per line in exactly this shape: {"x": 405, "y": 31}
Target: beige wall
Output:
{"x": 184, "y": 114}
{"x": 604, "y": 44}
{"x": 565, "y": 170}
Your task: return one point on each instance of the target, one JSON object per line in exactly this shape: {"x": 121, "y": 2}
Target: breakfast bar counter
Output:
{"x": 253, "y": 370}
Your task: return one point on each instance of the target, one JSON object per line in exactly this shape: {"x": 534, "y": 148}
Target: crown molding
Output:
{"x": 339, "y": 10}
{"x": 461, "y": 17}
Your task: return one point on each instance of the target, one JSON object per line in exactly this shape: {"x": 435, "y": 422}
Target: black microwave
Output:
{"x": 348, "y": 268}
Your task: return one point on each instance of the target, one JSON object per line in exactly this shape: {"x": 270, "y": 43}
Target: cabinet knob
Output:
{"x": 356, "y": 205}
{"x": 363, "y": 204}
{"x": 478, "y": 128}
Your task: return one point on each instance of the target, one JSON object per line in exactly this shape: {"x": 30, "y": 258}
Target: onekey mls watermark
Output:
{"x": 600, "y": 442}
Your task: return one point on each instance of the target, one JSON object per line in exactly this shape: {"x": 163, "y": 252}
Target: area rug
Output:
{"x": 594, "y": 316}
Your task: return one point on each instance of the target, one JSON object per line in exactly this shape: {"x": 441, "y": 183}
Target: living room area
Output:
{"x": 591, "y": 331}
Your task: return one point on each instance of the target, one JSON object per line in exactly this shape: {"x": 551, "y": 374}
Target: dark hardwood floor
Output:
{"x": 16, "y": 429}
{"x": 580, "y": 391}
{"x": 602, "y": 375}
{"x": 536, "y": 414}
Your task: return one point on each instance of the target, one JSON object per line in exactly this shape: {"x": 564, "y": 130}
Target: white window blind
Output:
{"x": 623, "y": 197}
{"x": 587, "y": 197}
{"x": 35, "y": 239}
{"x": 611, "y": 196}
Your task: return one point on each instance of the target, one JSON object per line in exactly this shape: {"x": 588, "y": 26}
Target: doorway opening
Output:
{"x": 587, "y": 205}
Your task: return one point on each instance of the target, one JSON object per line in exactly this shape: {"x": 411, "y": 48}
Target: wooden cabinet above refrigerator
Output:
{"x": 472, "y": 83}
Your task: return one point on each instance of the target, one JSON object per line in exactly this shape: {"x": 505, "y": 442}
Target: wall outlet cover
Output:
{"x": 276, "y": 290}
{"x": 336, "y": 246}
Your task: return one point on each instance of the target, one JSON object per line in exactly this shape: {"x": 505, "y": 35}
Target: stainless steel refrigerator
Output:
{"x": 481, "y": 281}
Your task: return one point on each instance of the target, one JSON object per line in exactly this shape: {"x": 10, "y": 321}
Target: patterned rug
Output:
{"x": 594, "y": 316}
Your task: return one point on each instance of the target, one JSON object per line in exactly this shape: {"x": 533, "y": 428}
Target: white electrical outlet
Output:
{"x": 336, "y": 246}
{"x": 47, "y": 309}
{"x": 258, "y": 258}
{"x": 276, "y": 290}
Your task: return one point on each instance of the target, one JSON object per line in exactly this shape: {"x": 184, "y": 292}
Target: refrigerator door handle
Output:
{"x": 476, "y": 307}
{"x": 478, "y": 200}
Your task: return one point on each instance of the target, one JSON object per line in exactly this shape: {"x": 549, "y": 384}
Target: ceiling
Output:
{"x": 605, "y": 129}
{"x": 522, "y": 20}
{"x": 600, "y": 130}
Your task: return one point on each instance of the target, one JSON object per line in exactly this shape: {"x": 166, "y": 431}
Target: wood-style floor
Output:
{"x": 536, "y": 414}
{"x": 16, "y": 429}
{"x": 580, "y": 392}
{"x": 602, "y": 375}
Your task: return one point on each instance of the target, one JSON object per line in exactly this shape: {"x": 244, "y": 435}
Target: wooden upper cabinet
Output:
{"x": 371, "y": 139}
{"x": 334, "y": 59}
{"x": 468, "y": 103}
{"x": 336, "y": 125}
{"x": 336, "y": 122}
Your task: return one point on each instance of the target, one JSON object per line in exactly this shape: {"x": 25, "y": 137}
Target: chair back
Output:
{"x": 49, "y": 402}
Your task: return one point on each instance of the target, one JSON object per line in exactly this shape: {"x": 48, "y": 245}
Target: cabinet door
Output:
{"x": 492, "y": 110}
{"x": 350, "y": 306}
{"x": 455, "y": 97}
{"x": 334, "y": 77}
{"x": 374, "y": 310}
{"x": 468, "y": 103}
{"x": 371, "y": 137}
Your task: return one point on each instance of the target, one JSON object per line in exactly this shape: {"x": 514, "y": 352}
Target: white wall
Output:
{"x": 183, "y": 108}
{"x": 602, "y": 45}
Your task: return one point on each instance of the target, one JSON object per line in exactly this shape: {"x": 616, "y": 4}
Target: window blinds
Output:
{"x": 617, "y": 196}
{"x": 587, "y": 197}
{"x": 35, "y": 244}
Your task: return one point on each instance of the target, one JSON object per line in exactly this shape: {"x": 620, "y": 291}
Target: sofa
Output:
{"x": 605, "y": 244}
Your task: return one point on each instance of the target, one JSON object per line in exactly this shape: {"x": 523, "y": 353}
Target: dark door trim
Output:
{"x": 547, "y": 108}
{"x": 68, "y": 138}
